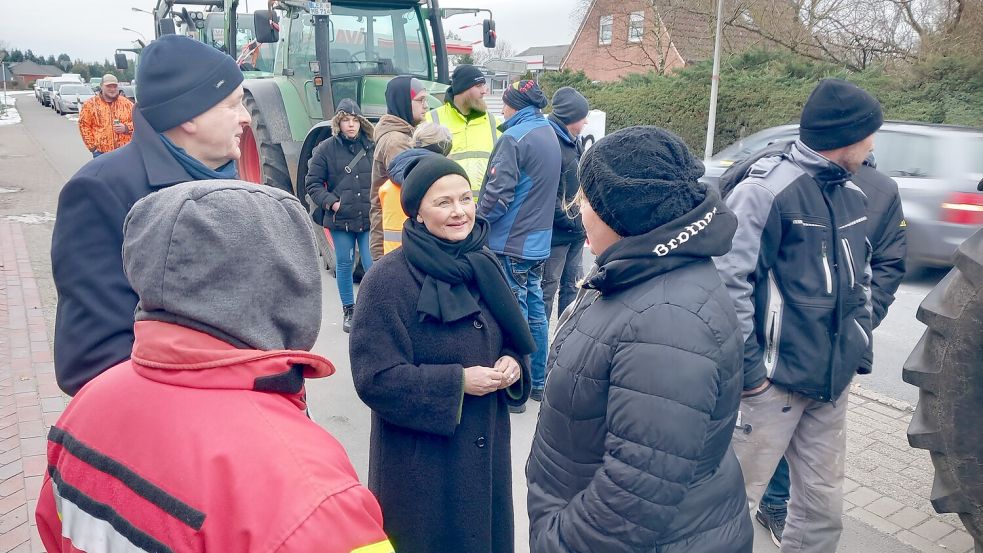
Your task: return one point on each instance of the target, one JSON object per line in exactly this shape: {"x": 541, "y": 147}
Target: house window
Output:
{"x": 606, "y": 30}
{"x": 636, "y": 26}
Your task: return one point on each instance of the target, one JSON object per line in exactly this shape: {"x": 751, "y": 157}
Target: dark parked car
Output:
{"x": 937, "y": 168}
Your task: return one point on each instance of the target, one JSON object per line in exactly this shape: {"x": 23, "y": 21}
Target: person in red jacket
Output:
{"x": 200, "y": 442}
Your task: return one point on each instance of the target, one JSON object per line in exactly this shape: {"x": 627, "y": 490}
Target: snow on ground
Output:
{"x": 8, "y": 116}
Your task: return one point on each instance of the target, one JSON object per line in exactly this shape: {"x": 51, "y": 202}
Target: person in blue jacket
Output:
{"x": 517, "y": 198}
{"x": 187, "y": 127}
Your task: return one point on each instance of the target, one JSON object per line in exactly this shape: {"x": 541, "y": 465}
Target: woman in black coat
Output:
{"x": 439, "y": 351}
{"x": 339, "y": 176}
{"x": 632, "y": 449}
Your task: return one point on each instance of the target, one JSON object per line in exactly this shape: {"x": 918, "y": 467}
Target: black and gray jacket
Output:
{"x": 568, "y": 225}
{"x": 799, "y": 273}
{"x": 632, "y": 449}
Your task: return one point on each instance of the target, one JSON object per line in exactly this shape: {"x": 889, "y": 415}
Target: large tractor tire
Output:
{"x": 262, "y": 161}
{"x": 947, "y": 367}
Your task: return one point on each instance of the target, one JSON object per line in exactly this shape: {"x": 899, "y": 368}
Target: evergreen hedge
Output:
{"x": 762, "y": 89}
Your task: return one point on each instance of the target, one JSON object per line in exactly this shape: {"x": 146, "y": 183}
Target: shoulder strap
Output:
{"x": 358, "y": 157}
{"x": 741, "y": 170}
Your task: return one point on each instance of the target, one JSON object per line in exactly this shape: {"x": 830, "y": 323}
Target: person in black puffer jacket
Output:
{"x": 339, "y": 178}
{"x": 632, "y": 451}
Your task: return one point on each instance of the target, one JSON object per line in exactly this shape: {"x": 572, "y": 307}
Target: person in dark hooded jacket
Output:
{"x": 633, "y": 447}
{"x": 339, "y": 180}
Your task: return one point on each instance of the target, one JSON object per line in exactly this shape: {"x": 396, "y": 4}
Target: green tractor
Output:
{"x": 327, "y": 52}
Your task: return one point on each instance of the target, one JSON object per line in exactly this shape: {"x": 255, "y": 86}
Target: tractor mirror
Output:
{"x": 121, "y": 63}
{"x": 489, "y": 33}
{"x": 265, "y": 23}
{"x": 166, "y": 27}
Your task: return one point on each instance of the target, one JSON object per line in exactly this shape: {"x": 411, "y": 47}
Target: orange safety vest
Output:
{"x": 393, "y": 216}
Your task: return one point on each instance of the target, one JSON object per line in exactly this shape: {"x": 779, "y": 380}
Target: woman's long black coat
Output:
{"x": 439, "y": 460}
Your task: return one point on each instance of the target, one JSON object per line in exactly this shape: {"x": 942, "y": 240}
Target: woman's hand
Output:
{"x": 510, "y": 369}
{"x": 336, "y": 206}
{"x": 479, "y": 381}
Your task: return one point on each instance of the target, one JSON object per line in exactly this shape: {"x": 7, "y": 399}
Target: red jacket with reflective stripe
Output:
{"x": 194, "y": 445}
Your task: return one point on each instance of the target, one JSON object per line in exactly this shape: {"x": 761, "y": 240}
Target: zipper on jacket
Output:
{"x": 826, "y": 270}
{"x": 848, "y": 253}
{"x": 770, "y": 338}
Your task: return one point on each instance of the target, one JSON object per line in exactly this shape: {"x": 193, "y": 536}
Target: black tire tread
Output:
{"x": 947, "y": 367}
{"x": 273, "y": 163}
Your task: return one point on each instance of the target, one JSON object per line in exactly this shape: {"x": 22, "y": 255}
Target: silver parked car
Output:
{"x": 70, "y": 97}
{"x": 937, "y": 168}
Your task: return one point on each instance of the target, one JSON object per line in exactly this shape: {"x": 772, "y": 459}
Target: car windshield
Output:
{"x": 753, "y": 143}
{"x": 364, "y": 40}
{"x": 75, "y": 89}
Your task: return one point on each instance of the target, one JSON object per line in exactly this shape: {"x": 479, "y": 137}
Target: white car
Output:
{"x": 70, "y": 97}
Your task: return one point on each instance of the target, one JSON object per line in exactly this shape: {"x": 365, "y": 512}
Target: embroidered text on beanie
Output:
{"x": 838, "y": 114}
{"x": 181, "y": 78}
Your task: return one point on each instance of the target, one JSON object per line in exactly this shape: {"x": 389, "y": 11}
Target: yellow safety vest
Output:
{"x": 393, "y": 216}
{"x": 473, "y": 140}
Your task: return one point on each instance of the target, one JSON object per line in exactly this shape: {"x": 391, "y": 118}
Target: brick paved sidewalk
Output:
{"x": 887, "y": 485}
{"x": 30, "y": 401}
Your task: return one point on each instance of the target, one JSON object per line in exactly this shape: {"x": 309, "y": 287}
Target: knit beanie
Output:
{"x": 195, "y": 252}
{"x": 421, "y": 175}
{"x": 400, "y": 93}
{"x": 522, "y": 94}
{"x": 838, "y": 114}
{"x": 640, "y": 178}
{"x": 569, "y": 106}
{"x": 465, "y": 77}
{"x": 181, "y": 78}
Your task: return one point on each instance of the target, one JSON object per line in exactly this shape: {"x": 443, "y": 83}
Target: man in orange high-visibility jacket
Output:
{"x": 106, "y": 120}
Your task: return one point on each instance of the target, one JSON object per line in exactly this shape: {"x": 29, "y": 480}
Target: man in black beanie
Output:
{"x": 187, "y": 127}
{"x": 799, "y": 275}
{"x": 464, "y": 112}
{"x": 517, "y": 198}
{"x": 565, "y": 265}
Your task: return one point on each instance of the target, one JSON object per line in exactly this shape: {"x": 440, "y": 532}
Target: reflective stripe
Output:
{"x": 382, "y": 547}
{"x": 435, "y": 116}
{"x": 470, "y": 155}
{"x": 494, "y": 127}
{"x": 88, "y": 533}
{"x": 392, "y": 236}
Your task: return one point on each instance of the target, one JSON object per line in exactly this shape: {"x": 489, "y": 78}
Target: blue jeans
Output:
{"x": 776, "y": 496}
{"x": 344, "y": 251}
{"x": 525, "y": 277}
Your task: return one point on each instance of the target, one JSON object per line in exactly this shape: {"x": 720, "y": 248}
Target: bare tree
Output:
{"x": 502, "y": 50}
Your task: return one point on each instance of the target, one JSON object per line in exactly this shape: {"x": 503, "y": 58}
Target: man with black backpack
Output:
{"x": 886, "y": 233}
{"x": 799, "y": 275}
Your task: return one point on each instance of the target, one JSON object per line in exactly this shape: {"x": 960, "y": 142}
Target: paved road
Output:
{"x": 43, "y": 151}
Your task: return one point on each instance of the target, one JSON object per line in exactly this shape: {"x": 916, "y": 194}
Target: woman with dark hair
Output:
{"x": 632, "y": 450}
{"x": 339, "y": 178}
{"x": 439, "y": 351}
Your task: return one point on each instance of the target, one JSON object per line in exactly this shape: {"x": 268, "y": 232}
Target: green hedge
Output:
{"x": 763, "y": 89}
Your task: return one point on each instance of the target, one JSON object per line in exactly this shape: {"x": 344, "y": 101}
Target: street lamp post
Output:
{"x": 137, "y": 32}
{"x": 714, "y": 85}
{"x": 3, "y": 71}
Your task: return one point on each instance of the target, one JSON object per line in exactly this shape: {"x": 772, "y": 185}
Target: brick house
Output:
{"x": 622, "y": 37}
{"x": 26, "y": 72}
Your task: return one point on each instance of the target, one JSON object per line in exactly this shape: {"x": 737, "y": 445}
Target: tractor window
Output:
{"x": 364, "y": 42}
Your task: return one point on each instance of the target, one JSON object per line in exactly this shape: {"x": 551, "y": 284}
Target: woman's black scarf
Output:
{"x": 449, "y": 268}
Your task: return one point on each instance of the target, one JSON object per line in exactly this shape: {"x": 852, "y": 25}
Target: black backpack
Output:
{"x": 742, "y": 169}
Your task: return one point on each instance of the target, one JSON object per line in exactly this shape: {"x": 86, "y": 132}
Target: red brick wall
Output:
{"x": 621, "y": 57}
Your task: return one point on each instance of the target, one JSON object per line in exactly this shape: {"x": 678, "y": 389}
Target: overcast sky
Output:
{"x": 92, "y": 29}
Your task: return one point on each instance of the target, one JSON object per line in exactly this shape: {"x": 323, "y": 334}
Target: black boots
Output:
{"x": 347, "y": 324}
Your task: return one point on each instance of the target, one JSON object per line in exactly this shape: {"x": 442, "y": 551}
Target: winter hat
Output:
{"x": 181, "y": 78}
{"x": 421, "y": 175}
{"x": 523, "y": 94}
{"x": 640, "y": 178}
{"x": 465, "y": 77}
{"x": 196, "y": 252}
{"x": 400, "y": 93}
{"x": 838, "y": 114}
{"x": 569, "y": 106}
{"x": 348, "y": 107}
{"x": 404, "y": 161}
